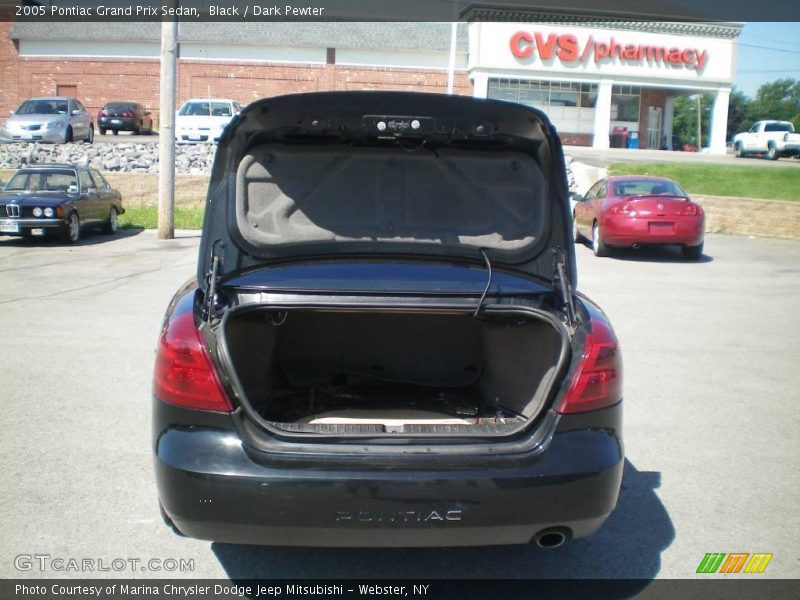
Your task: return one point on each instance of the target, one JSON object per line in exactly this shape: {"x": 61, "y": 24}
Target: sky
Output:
{"x": 767, "y": 51}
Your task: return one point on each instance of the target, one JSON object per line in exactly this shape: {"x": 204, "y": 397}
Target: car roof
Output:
{"x": 209, "y": 100}
{"x": 618, "y": 178}
{"x": 52, "y": 166}
{"x": 51, "y": 98}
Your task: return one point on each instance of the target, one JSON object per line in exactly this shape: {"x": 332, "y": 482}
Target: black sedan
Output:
{"x": 58, "y": 199}
{"x": 124, "y": 116}
{"x": 382, "y": 345}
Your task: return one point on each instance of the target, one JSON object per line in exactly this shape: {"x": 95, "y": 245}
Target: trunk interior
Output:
{"x": 392, "y": 372}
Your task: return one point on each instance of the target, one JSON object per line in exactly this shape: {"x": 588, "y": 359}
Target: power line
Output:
{"x": 771, "y": 71}
{"x": 764, "y": 37}
{"x": 769, "y": 48}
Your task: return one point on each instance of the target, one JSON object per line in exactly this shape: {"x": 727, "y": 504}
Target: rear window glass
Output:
{"x": 205, "y": 109}
{"x": 43, "y": 181}
{"x": 647, "y": 187}
{"x": 43, "y": 107}
{"x": 121, "y": 106}
{"x": 778, "y": 127}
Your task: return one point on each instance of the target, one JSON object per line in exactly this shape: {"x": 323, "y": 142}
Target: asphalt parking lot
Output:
{"x": 711, "y": 354}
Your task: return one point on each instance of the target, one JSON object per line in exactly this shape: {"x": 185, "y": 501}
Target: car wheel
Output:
{"x": 102, "y": 130}
{"x": 599, "y": 247}
{"x": 115, "y": 131}
{"x": 73, "y": 231}
{"x": 576, "y": 235}
{"x": 137, "y": 130}
{"x": 772, "y": 152}
{"x": 739, "y": 151}
{"x": 68, "y": 135}
{"x": 90, "y": 135}
{"x": 693, "y": 252}
{"x": 112, "y": 224}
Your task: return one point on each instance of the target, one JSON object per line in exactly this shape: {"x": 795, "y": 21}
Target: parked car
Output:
{"x": 772, "y": 139}
{"x": 48, "y": 119}
{"x": 637, "y": 210}
{"x": 58, "y": 199}
{"x": 201, "y": 120}
{"x": 124, "y": 116}
{"x": 382, "y": 345}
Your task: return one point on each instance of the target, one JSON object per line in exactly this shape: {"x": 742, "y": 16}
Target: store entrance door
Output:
{"x": 654, "y": 127}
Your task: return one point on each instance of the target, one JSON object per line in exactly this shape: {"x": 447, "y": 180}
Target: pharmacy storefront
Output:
{"x": 607, "y": 86}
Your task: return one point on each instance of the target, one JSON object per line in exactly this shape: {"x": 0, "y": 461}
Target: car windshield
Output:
{"x": 779, "y": 127}
{"x": 647, "y": 187}
{"x": 43, "y": 181}
{"x": 204, "y": 109}
{"x": 43, "y": 107}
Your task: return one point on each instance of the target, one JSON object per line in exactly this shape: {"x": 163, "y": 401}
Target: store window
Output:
{"x": 625, "y": 103}
{"x": 570, "y": 105}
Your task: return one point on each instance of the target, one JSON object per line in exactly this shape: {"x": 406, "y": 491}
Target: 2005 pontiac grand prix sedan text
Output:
{"x": 382, "y": 346}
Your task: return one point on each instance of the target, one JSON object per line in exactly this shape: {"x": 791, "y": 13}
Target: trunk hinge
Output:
{"x": 211, "y": 282}
{"x": 560, "y": 278}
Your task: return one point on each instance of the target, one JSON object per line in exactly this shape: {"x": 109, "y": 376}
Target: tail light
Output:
{"x": 623, "y": 209}
{"x": 103, "y": 113}
{"x": 693, "y": 210}
{"x": 597, "y": 382}
{"x": 127, "y": 114}
{"x": 184, "y": 374}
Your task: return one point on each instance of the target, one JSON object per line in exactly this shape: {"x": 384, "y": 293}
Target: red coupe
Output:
{"x": 635, "y": 210}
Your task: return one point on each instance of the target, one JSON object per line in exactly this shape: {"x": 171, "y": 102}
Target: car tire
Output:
{"x": 599, "y": 247}
{"x": 90, "y": 135}
{"x": 576, "y": 235}
{"x": 137, "y": 130}
{"x": 112, "y": 224}
{"x": 115, "y": 131}
{"x": 772, "y": 152}
{"x": 739, "y": 150}
{"x": 692, "y": 252}
{"x": 68, "y": 135}
{"x": 102, "y": 130}
{"x": 72, "y": 233}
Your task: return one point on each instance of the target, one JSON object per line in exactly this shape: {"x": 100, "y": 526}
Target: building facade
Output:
{"x": 601, "y": 84}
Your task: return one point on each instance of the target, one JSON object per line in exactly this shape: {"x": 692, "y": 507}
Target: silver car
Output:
{"x": 55, "y": 119}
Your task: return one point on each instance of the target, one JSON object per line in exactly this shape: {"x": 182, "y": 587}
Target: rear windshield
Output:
{"x": 205, "y": 109}
{"x": 43, "y": 107}
{"x": 121, "y": 106}
{"x": 647, "y": 187}
{"x": 43, "y": 181}
{"x": 779, "y": 127}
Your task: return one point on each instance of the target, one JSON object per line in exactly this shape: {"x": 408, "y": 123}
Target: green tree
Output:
{"x": 739, "y": 113}
{"x": 779, "y": 99}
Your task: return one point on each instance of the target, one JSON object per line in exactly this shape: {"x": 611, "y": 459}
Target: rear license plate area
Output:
{"x": 661, "y": 227}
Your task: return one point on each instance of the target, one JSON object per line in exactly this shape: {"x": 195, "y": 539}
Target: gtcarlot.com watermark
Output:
{"x": 61, "y": 564}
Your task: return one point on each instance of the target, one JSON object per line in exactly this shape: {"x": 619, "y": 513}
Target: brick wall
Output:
{"x": 654, "y": 98}
{"x": 101, "y": 80}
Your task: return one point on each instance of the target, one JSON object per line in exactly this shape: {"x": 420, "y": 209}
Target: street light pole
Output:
{"x": 166, "y": 130}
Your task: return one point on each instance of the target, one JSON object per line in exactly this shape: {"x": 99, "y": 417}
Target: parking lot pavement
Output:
{"x": 711, "y": 351}
{"x": 126, "y": 137}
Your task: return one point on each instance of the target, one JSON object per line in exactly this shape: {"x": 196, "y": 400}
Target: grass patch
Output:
{"x": 146, "y": 217}
{"x": 742, "y": 181}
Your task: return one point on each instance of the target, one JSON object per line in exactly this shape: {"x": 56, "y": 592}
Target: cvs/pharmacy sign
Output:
{"x": 567, "y": 48}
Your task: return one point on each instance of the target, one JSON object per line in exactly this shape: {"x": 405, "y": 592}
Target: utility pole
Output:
{"x": 699, "y": 126}
{"x": 451, "y": 71}
{"x": 166, "y": 131}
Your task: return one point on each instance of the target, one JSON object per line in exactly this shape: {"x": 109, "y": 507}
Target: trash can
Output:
{"x": 619, "y": 137}
{"x": 633, "y": 140}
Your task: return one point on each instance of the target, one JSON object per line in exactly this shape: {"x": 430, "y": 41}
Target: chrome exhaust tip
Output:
{"x": 636, "y": 246}
{"x": 550, "y": 538}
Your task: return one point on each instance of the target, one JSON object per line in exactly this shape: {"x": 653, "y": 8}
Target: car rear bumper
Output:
{"x": 119, "y": 123}
{"x": 215, "y": 487}
{"x": 626, "y": 231}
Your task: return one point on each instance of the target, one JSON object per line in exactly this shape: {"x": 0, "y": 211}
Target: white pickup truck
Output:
{"x": 770, "y": 138}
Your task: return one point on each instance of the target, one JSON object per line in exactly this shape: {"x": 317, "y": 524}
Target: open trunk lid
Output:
{"x": 387, "y": 174}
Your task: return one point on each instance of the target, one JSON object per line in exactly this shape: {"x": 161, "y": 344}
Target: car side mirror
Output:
{"x": 89, "y": 190}
{"x": 75, "y": 112}
{"x": 73, "y": 189}
{"x": 576, "y": 197}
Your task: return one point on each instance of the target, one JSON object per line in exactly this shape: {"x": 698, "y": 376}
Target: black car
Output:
{"x": 58, "y": 199}
{"x": 382, "y": 345}
{"x": 124, "y": 116}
